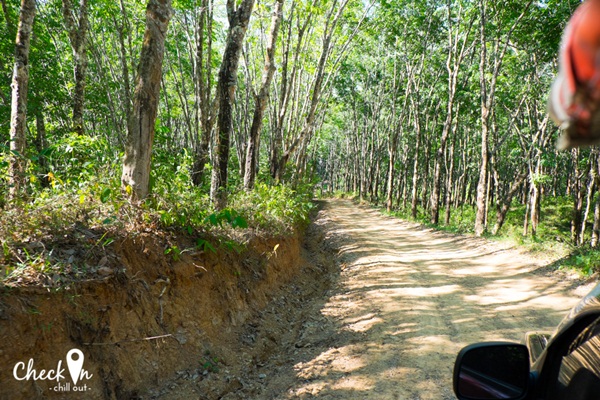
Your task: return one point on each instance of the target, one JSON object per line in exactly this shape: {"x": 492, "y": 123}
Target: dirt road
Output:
{"x": 379, "y": 310}
{"x": 407, "y": 299}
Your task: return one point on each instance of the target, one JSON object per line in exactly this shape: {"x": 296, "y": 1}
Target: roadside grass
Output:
{"x": 64, "y": 232}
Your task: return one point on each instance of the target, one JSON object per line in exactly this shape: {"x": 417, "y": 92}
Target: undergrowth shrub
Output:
{"x": 276, "y": 208}
{"x": 90, "y": 203}
{"x": 76, "y": 159}
{"x": 3, "y": 179}
{"x": 585, "y": 260}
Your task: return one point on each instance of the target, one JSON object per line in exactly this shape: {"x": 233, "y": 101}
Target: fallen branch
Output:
{"x": 128, "y": 341}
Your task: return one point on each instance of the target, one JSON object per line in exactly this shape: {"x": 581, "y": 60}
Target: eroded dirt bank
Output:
{"x": 156, "y": 316}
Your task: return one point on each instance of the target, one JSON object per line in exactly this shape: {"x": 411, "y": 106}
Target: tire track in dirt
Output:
{"x": 406, "y": 301}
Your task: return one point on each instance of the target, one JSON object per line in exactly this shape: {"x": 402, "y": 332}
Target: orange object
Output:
{"x": 575, "y": 95}
{"x": 584, "y": 44}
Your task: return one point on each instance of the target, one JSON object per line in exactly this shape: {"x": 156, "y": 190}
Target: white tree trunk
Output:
{"x": 138, "y": 148}
{"x": 18, "y": 115}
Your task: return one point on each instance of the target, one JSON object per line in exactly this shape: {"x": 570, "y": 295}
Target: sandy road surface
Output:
{"x": 406, "y": 301}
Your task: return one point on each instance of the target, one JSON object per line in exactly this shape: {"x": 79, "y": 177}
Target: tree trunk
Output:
{"x": 18, "y": 116}
{"x": 504, "y": 205}
{"x": 450, "y": 177}
{"x": 487, "y": 91}
{"x": 578, "y": 198}
{"x": 453, "y": 62}
{"x": 261, "y": 99}
{"x": 204, "y": 105}
{"x": 41, "y": 145}
{"x": 526, "y": 219}
{"x": 78, "y": 38}
{"x": 393, "y": 141}
{"x": 592, "y": 179}
{"x": 393, "y": 146}
{"x": 238, "y": 24}
{"x": 121, "y": 30}
{"x": 596, "y": 226}
{"x": 317, "y": 87}
{"x": 425, "y": 177}
{"x": 485, "y": 112}
{"x": 535, "y": 207}
{"x": 280, "y": 112}
{"x": 138, "y": 148}
{"x": 415, "y": 176}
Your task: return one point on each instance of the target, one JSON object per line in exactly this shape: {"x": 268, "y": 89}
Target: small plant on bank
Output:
{"x": 585, "y": 260}
{"x": 277, "y": 208}
{"x": 209, "y": 363}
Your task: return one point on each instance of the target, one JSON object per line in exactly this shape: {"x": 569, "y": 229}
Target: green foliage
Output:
{"x": 205, "y": 245}
{"x": 34, "y": 236}
{"x": 81, "y": 198}
{"x": 77, "y": 159}
{"x": 227, "y": 215}
{"x": 209, "y": 363}
{"x": 279, "y": 208}
{"x": 174, "y": 201}
{"x": 232, "y": 245}
{"x": 3, "y": 178}
{"x": 584, "y": 260}
{"x": 175, "y": 252}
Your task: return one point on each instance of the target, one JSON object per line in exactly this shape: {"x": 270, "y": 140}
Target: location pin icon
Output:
{"x": 75, "y": 364}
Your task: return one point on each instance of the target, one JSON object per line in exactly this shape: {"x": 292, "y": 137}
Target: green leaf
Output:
{"x": 239, "y": 222}
{"x": 213, "y": 220}
{"x": 105, "y": 195}
{"x": 152, "y": 183}
{"x": 205, "y": 245}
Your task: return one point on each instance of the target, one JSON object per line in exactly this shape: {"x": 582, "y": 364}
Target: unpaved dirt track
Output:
{"x": 407, "y": 299}
{"x": 379, "y": 310}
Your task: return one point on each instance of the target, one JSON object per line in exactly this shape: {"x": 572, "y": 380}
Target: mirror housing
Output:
{"x": 492, "y": 371}
{"x": 536, "y": 343}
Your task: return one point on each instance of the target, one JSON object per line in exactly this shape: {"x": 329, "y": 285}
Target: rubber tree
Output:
{"x": 19, "y": 86}
{"x": 238, "y": 25}
{"x": 488, "y": 84}
{"x": 457, "y": 49}
{"x": 140, "y": 133}
{"x": 77, "y": 30}
{"x": 204, "y": 107}
{"x": 331, "y": 20}
{"x": 262, "y": 98}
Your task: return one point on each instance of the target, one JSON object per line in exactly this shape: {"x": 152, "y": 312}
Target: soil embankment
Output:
{"x": 157, "y": 315}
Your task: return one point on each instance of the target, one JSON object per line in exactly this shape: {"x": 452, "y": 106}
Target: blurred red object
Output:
{"x": 575, "y": 96}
